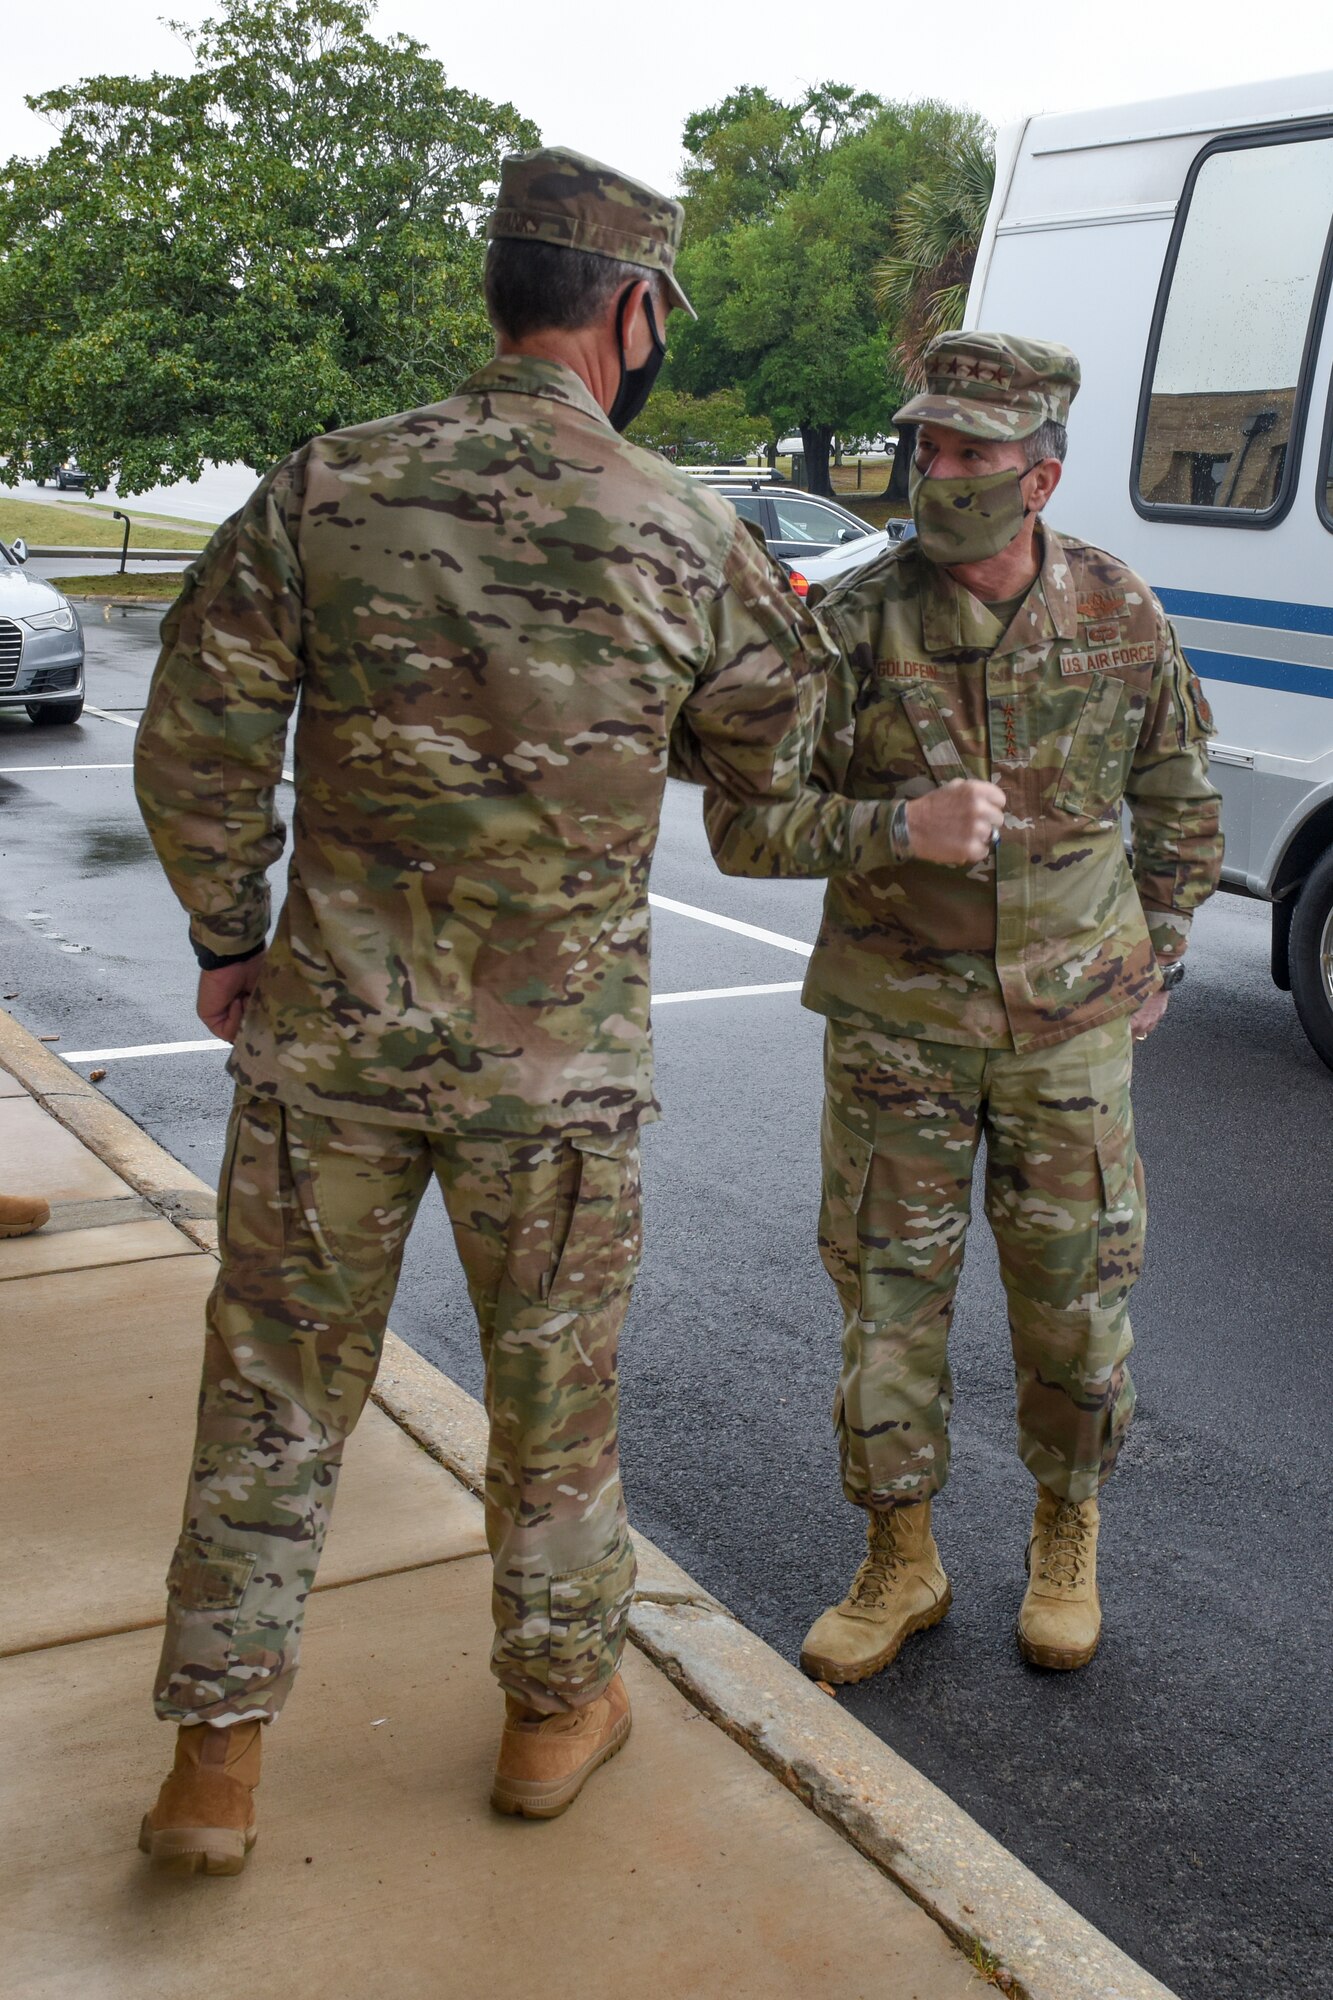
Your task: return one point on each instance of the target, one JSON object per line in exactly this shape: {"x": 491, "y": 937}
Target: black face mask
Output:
{"x": 635, "y": 383}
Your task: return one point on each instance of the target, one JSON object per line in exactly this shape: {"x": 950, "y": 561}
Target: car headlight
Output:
{"x": 60, "y": 620}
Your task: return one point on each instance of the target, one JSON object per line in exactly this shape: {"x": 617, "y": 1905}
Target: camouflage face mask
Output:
{"x": 966, "y": 520}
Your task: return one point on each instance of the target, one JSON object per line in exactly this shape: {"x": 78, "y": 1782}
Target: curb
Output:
{"x": 118, "y": 1142}
{"x": 986, "y": 1899}
{"x": 1025, "y": 1939}
{"x": 113, "y": 554}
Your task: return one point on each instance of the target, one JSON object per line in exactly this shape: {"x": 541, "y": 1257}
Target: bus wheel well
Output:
{"x": 1308, "y": 844}
{"x": 1308, "y": 847}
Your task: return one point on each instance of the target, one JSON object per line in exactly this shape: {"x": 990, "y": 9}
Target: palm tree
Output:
{"x": 921, "y": 286}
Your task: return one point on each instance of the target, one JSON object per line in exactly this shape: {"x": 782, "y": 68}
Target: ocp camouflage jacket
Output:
{"x": 1083, "y": 704}
{"x": 488, "y": 615}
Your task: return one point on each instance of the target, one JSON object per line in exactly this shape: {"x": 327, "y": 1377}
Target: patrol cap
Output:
{"x": 994, "y": 385}
{"x": 556, "y": 196}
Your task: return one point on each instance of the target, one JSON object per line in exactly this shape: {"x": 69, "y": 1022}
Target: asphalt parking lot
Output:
{"x": 1176, "y": 1792}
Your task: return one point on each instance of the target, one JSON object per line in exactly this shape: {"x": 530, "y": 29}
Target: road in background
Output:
{"x": 1176, "y": 1791}
{"x": 218, "y": 492}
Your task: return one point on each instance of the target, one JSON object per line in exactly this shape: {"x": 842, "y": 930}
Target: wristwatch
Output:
{"x": 900, "y": 833}
{"x": 1172, "y": 974}
{"x": 212, "y": 961}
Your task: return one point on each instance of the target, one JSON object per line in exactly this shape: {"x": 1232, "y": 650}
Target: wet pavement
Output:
{"x": 1176, "y": 1791}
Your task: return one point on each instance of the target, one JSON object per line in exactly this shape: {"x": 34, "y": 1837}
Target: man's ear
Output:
{"x": 1045, "y": 478}
{"x": 638, "y": 337}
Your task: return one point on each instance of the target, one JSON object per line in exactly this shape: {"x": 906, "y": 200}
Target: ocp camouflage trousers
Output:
{"x": 1065, "y": 1200}
{"x": 313, "y": 1216}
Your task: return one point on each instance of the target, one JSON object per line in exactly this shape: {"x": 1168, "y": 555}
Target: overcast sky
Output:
{"x": 623, "y": 93}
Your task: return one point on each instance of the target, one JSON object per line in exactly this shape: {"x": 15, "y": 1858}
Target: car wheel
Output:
{"x": 46, "y": 714}
{"x": 1311, "y": 958}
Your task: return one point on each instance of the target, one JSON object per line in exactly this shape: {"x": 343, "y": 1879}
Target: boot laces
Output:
{"x": 874, "y": 1580}
{"x": 1063, "y": 1547}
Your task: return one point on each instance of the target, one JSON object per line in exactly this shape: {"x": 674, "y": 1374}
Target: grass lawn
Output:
{"x": 868, "y": 499}
{"x": 874, "y": 477}
{"x": 69, "y": 526}
{"x": 152, "y": 589}
{"x": 873, "y": 508}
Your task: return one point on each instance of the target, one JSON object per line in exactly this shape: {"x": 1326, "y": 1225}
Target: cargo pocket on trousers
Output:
{"x": 600, "y": 1253}
{"x": 211, "y": 1587}
{"x": 255, "y": 1189}
{"x": 1120, "y": 1225}
{"x": 589, "y": 1613}
{"x": 846, "y": 1158}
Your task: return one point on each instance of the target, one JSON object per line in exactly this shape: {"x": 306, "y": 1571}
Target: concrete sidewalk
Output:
{"x": 693, "y": 1865}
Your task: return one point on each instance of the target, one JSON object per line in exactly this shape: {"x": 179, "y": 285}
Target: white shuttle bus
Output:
{"x": 1183, "y": 250}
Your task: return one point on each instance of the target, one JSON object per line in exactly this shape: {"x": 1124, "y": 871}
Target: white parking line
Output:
{"x": 105, "y": 715}
{"x": 144, "y": 1049}
{"x": 731, "y": 924}
{"x": 726, "y": 992}
{"x": 9, "y": 770}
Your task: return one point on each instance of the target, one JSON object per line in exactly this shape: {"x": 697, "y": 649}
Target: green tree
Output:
{"x": 921, "y": 286}
{"x": 703, "y": 430}
{"x": 222, "y": 265}
{"x": 788, "y": 210}
{"x": 745, "y": 153}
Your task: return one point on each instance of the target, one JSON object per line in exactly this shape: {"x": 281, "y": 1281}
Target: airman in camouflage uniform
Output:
{"x": 994, "y": 996}
{"x": 487, "y": 616}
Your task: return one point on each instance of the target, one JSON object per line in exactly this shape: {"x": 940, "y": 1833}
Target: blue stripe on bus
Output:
{"x": 1284, "y": 674}
{"x": 1249, "y": 611}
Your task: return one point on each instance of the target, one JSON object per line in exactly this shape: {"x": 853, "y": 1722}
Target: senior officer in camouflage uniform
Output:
{"x": 488, "y": 615}
{"x": 1010, "y": 689}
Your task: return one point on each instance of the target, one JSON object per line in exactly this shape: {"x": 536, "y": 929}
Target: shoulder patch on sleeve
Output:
{"x": 1198, "y": 700}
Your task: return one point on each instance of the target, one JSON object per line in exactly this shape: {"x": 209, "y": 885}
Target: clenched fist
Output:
{"x": 223, "y": 994}
{"x": 956, "y": 822}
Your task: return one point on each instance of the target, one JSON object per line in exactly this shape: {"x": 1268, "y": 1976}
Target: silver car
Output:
{"x": 41, "y": 644}
{"x": 834, "y": 564}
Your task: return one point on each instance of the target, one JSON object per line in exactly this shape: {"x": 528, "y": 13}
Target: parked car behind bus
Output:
{"x": 793, "y": 523}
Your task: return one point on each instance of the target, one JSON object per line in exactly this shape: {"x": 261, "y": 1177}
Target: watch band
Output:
{"x": 900, "y": 833}
{"x": 1172, "y": 974}
{"x": 212, "y": 961}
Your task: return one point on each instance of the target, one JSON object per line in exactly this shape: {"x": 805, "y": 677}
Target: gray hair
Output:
{"x": 1049, "y": 440}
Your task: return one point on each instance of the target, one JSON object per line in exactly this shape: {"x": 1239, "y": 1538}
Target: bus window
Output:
{"x": 1227, "y": 384}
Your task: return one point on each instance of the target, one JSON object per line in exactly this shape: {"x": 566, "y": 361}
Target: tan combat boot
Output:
{"x": 204, "y": 1819}
{"x": 545, "y": 1760}
{"x": 899, "y": 1589}
{"x": 21, "y": 1213}
{"x": 1061, "y": 1618}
